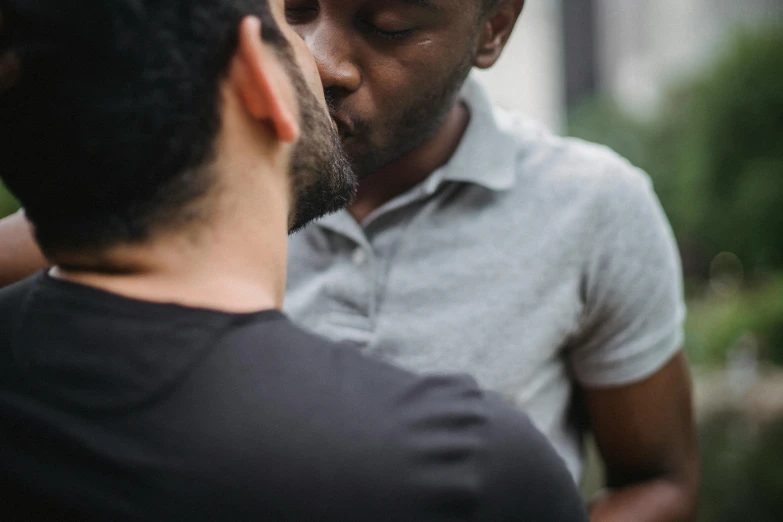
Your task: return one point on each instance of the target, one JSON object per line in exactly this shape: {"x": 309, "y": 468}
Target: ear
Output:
{"x": 262, "y": 84}
{"x": 496, "y": 30}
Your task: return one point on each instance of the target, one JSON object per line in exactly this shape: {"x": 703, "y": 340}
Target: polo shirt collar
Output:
{"x": 485, "y": 157}
{"x": 487, "y": 154}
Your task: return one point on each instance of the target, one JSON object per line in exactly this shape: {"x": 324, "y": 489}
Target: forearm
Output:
{"x": 19, "y": 253}
{"x": 647, "y": 440}
{"x": 654, "y": 501}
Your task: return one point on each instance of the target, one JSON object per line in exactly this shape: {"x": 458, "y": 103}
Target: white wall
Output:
{"x": 643, "y": 47}
{"x": 646, "y": 45}
{"x": 529, "y": 76}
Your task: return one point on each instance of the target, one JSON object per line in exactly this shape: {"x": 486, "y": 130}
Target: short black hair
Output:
{"x": 109, "y": 111}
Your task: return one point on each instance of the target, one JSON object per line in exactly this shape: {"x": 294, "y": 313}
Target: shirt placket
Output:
{"x": 365, "y": 252}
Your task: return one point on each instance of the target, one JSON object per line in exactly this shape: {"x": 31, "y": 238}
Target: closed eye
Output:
{"x": 300, "y": 15}
{"x": 390, "y": 35}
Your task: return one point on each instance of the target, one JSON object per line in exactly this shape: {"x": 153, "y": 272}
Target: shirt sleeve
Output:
{"x": 633, "y": 294}
{"x": 466, "y": 455}
{"x": 525, "y": 478}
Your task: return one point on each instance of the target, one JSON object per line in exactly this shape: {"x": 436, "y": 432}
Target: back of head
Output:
{"x": 109, "y": 111}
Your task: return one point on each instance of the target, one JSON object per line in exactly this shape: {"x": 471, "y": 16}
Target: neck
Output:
{"x": 231, "y": 257}
{"x": 411, "y": 169}
{"x": 236, "y": 266}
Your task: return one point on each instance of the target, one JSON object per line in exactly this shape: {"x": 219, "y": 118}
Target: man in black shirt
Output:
{"x": 162, "y": 151}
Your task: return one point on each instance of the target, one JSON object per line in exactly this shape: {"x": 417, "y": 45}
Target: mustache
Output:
{"x": 344, "y": 128}
{"x": 332, "y": 98}
{"x": 348, "y": 123}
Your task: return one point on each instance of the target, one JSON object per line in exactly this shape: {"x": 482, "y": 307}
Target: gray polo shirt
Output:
{"x": 533, "y": 262}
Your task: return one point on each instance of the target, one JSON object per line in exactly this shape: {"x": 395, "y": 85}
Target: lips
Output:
{"x": 344, "y": 129}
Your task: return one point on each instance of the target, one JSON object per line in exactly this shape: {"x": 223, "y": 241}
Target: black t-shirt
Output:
{"x": 117, "y": 409}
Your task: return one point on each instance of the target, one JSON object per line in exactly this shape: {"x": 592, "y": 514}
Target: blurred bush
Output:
{"x": 740, "y": 119}
{"x": 715, "y": 154}
{"x": 742, "y": 469}
{"x": 8, "y": 204}
{"x": 751, "y": 318}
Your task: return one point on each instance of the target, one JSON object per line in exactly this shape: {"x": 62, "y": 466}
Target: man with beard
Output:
{"x": 481, "y": 243}
{"x": 149, "y": 375}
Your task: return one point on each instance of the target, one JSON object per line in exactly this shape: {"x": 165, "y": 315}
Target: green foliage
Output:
{"x": 717, "y": 323}
{"x": 742, "y": 475}
{"x": 715, "y": 154}
{"x": 741, "y": 119}
{"x": 600, "y": 120}
{"x": 8, "y": 204}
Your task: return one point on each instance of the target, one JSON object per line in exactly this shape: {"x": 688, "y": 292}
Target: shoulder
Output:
{"x": 12, "y": 299}
{"x": 524, "y": 475}
{"x": 401, "y": 446}
{"x": 570, "y": 163}
{"x": 16, "y": 291}
{"x": 448, "y": 448}
{"x": 599, "y": 188}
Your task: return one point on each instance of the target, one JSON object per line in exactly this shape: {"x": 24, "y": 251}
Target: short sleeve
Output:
{"x": 632, "y": 288}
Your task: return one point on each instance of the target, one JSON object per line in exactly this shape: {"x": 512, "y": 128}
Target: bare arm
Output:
{"x": 646, "y": 435}
{"x": 20, "y": 256}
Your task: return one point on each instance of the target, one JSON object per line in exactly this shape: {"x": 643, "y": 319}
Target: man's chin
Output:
{"x": 355, "y": 150}
{"x": 365, "y": 161}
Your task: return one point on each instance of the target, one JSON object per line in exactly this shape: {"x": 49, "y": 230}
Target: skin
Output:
{"x": 645, "y": 431}
{"x": 647, "y": 439}
{"x": 19, "y": 255}
{"x": 374, "y": 57}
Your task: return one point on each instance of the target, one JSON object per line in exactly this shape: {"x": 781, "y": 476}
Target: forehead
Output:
{"x": 428, "y": 4}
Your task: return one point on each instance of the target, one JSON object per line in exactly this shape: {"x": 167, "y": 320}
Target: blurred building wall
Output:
{"x": 646, "y": 45}
{"x": 641, "y": 47}
{"x": 529, "y": 77}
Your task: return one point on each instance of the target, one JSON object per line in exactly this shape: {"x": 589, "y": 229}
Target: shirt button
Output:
{"x": 359, "y": 257}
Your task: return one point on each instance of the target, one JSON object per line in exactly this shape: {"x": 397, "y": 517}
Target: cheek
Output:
{"x": 310, "y": 73}
{"x": 306, "y": 63}
{"x": 393, "y": 86}
{"x": 390, "y": 84}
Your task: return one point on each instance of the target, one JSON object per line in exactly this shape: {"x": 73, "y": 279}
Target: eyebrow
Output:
{"x": 427, "y": 4}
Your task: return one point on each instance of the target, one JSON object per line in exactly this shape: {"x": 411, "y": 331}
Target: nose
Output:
{"x": 335, "y": 60}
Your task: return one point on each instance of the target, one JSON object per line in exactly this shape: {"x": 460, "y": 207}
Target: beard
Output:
{"x": 322, "y": 179}
{"x": 418, "y": 121}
